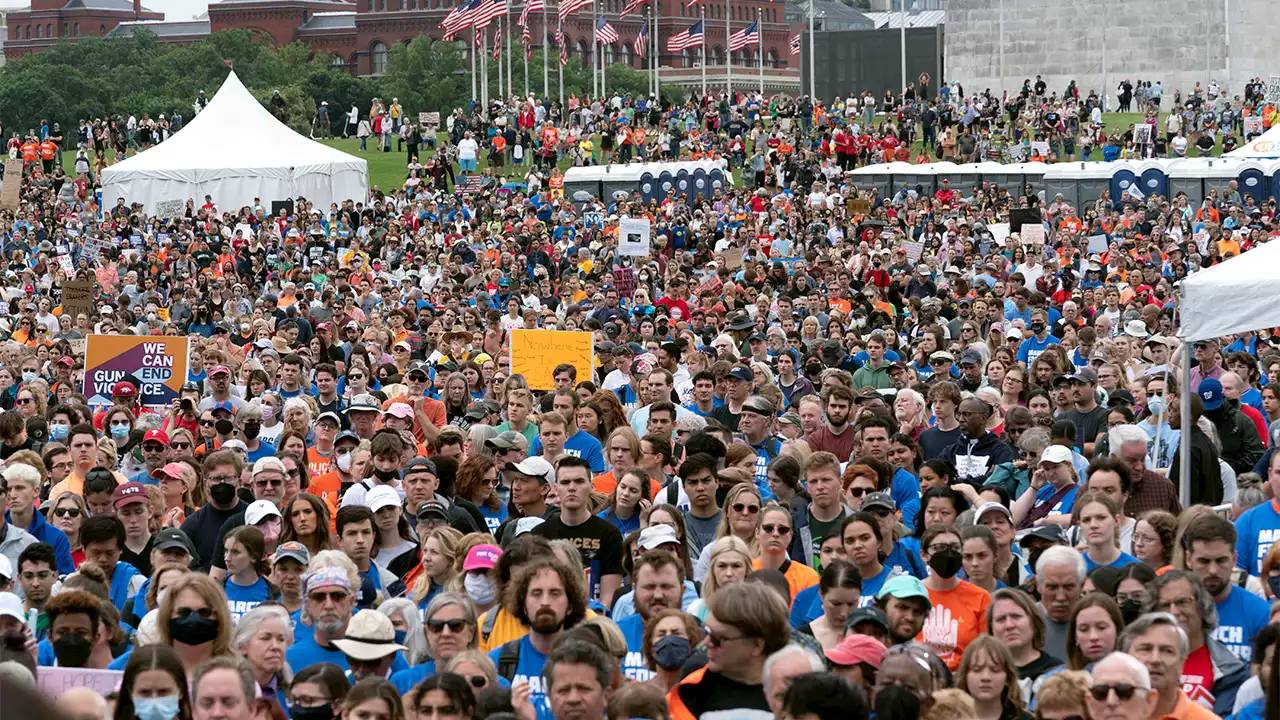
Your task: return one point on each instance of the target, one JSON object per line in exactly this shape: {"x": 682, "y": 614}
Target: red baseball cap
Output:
{"x": 67, "y": 360}
{"x": 219, "y": 369}
{"x": 128, "y": 494}
{"x": 124, "y": 388}
{"x": 156, "y": 436}
{"x": 856, "y": 649}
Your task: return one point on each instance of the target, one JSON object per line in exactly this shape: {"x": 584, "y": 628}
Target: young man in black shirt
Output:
{"x": 221, "y": 470}
{"x": 599, "y": 541}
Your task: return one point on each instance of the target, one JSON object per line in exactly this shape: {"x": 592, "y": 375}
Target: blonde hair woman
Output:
{"x": 729, "y": 560}
{"x": 439, "y": 558}
{"x": 194, "y": 620}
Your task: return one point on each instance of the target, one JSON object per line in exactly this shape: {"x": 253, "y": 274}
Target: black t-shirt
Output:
{"x": 203, "y": 527}
{"x": 140, "y": 560}
{"x": 219, "y": 546}
{"x": 715, "y": 692}
{"x": 933, "y": 441}
{"x": 598, "y": 540}
{"x": 1088, "y": 425}
{"x": 725, "y": 417}
{"x": 1038, "y": 667}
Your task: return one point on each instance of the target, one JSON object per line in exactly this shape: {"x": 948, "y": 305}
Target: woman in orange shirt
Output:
{"x": 774, "y": 531}
{"x": 959, "y": 611}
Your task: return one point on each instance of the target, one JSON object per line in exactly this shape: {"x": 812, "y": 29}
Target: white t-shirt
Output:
{"x": 467, "y": 149}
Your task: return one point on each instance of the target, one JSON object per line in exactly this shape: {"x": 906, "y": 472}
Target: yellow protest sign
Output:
{"x": 536, "y": 353}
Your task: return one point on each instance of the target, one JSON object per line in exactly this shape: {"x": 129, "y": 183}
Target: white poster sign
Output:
{"x": 633, "y": 236}
{"x": 54, "y": 681}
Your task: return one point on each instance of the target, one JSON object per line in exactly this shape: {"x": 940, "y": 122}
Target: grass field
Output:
{"x": 387, "y": 169}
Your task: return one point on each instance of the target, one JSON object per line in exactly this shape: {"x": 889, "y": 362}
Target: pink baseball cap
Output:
{"x": 857, "y": 649}
{"x": 400, "y": 410}
{"x": 481, "y": 557}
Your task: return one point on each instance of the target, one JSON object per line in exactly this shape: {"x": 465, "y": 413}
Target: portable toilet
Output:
{"x": 1187, "y": 178}
{"x": 1153, "y": 177}
{"x": 1064, "y": 179}
{"x": 964, "y": 178}
{"x": 1219, "y": 172}
{"x": 1033, "y": 174}
{"x": 1124, "y": 177}
{"x": 1094, "y": 179}
{"x": 872, "y": 176}
{"x": 993, "y": 173}
{"x": 910, "y": 176}
{"x": 1273, "y": 177}
{"x": 1252, "y": 180}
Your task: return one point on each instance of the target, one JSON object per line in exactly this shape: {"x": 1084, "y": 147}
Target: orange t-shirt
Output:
{"x": 317, "y": 463}
{"x": 607, "y": 482}
{"x": 959, "y": 615}
{"x": 798, "y": 576}
{"x": 30, "y": 152}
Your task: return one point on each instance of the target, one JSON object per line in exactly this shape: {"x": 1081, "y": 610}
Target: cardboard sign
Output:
{"x": 77, "y": 297}
{"x": 156, "y": 364}
{"x": 858, "y": 206}
{"x": 624, "y": 280}
{"x": 429, "y": 119}
{"x": 1033, "y": 234}
{"x": 78, "y": 347}
{"x": 1097, "y": 244}
{"x": 633, "y": 236}
{"x": 593, "y": 220}
{"x": 914, "y": 250}
{"x": 170, "y": 208}
{"x": 53, "y": 681}
{"x": 536, "y": 353}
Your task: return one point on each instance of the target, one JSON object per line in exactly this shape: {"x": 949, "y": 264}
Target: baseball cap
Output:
{"x": 418, "y": 463}
{"x": 432, "y": 508}
{"x": 1085, "y": 375}
{"x": 656, "y": 536}
{"x": 741, "y": 373}
{"x": 159, "y": 436}
{"x": 1055, "y": 454}
{"x": 1210, "y": 391}
{"x": 871, "y": 614}
{"x": 11, "y": 605}
{"x": 995, "y": 507}
{"x": 364, "y": 402}
{"x": 477, "y": 410}
{"x": 124, "y": 388}
{"x": 904, "y": 587}
{"x": 942, "y": 355}
{"x": 219, "y": 369}
{"x": 346, "y": 435}
{"x": 333, "y": 416}
{"x": 294, "y": 551}
{"x": 970, "y": 357}
{"x": 264, "y": 464}
{"x": 879, "y": 500}
{"x": 534, "y": 466}
{"x": 1051, "y": 532}
{"x": 856, "y": 649}
{"x": 508, "y": 440}
{"x": 175, "y": 539}
{"x": 399, "y": 410}
{"x": 235, "y": 444}
{"x": 481, "y": 557}
{"x": 259, "y": 511}
{"x": 370, "y": 636}
{"x": 128, "y": 494}
{"x": 382, "y": 496}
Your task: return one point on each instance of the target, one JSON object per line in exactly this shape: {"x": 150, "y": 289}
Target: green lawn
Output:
{"x": 387, "y": 169}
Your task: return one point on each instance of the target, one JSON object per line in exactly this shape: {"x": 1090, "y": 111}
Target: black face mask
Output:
{"x": 322, "y": 712}
{"x": 945, "y": 562}
{"x": 1130, "y": 610}
{"x": 896, "y": 703}
{"x": 223, "y": 427}
{"x": 193, "y": 629}
{"x": 223, "y": 493}
{"x": 251, "y": 430}
{"x": 1037, "y": 327}
{"x": 72, "y": 650}
{"x": 386, "y": 476}
{"x": 671, "y": 652}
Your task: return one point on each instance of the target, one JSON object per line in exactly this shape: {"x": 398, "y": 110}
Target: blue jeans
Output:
{"x": 364, "y": 142}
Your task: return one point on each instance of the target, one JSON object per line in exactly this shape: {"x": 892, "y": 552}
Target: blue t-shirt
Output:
{"x": 1256, "y": 530}
{"x": 580, "y": 445}
{"x": 906, "y": 493}
{"x": 1064, "y": 506}
{"x": 120, "y": 578}
{"x": 241, "y": 599}
{"x": 406, "y": 680}
{"x": 529, "y": 669}
{"x": 1122, "y": 561}
{"x": 1032, "y": 348}
{"x": 806, "y": 607}
{"x": 1241, "y": 616}
{"x": 634, "y": 665}
{"x": 308, "y": 652}
{"x": 629, "y": 525}
{"x": 871, "y": 586}
{"x": 900, "y": 558}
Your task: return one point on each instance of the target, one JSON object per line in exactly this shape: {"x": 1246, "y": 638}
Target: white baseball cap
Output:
{"x": 11, "y": 606}
{"x": 382, "y": 496}
{"x": 259, "y": 511}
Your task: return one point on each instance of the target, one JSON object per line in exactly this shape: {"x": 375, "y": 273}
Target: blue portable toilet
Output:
{"x": 666, "y": 185}
{"x": 683, "y": 185}
{"x": 1252, "y": 180}
{"x": 648, "y": 186}
{"x": 1124, "y": 175}
{"x": 1153, "y": 178}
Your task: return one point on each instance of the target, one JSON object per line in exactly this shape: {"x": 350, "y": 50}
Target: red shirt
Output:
{"x": 1197, "y": 677}
{"x": 679, "y": 309}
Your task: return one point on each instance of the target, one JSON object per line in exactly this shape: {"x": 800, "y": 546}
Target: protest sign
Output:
{"x": 77, "y": 297}
{"x": 633, "y": 236}
{"x": 170, "y": 208}
{"x": 624, "y": 280}
{"x": 93, "y": 247}
{"x": 857, "y": 206}
{"x": 1033, "y": 234}
{"x": 999, "y": 233}
{"x": 54, "y": 681}
{"x": 593, "y": 219}
{"x": 732, "y": 260}
{"x": 536, "y": 353}
{"x": 429, "y": 120}
{"x": 1097, "y": 243}
{"x": 65, "y": 264}
{"x": 1273, "y": 89}
{"x": 472, "y": 184}
{"x": 78, "y": 348}
{"x": 914, "y": 249}
{"x": 156, "y": 364}
{"x": 712, "y": 284}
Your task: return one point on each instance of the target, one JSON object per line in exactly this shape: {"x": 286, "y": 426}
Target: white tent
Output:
{"x": 1266, "y": 145}
{"x": 235, "y": 151}
{"x": 1241, "y": 294}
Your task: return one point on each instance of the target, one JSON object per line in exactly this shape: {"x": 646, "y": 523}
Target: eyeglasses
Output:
{"x": 25, "y": 401}
{"x": 455, "y": 626}
{"x": 1124, "y": 691}
{"x": 41, "y": 575}
{"x": 67, "y": 512}
{"x": 204, "y": 612}
{"x": 335, "y": 596}
{"x": 778, "y": 529}
{"x": 1185, "y": 604}
{"x": 745, "y": 508}
{"x": 152, "y": 448}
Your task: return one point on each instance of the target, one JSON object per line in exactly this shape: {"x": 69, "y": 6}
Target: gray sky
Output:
{"x": 177, "y": 9}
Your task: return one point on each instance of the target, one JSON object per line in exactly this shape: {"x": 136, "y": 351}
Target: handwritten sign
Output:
{"x": 1097, "y": 244}
{"x": 999, "y": 233}
{"x": 156, "y": 365}
{"x": 170, "y": 208}
{"x": 94, "y": 245}
{"x": 914, "y": 249}
{"x": 624, "y": 279}
{"x": 633, "y": 236}
{"x": 77, "y": 297}
{"x": 54, "y": 681}
{"x": 429, "y": 119}
{"x": 1033, "y": 234}
{"x": 536, "y": 353}
{"x": 857, "y": 206}
{"x": 65, "y": 264}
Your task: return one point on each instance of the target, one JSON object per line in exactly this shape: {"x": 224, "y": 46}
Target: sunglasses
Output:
{"x": 206, "y": 423}
{"x": 67, "y": 512}
{"x": 455, "y": 626}
{"x": 744, "y": 508}
{"x": 778, "y": 529}
{"x": 1124, "y": 691}
{"x": 181, "y": 446}
{"x": 25, "y": 401}
{"x": 337, "y": 596}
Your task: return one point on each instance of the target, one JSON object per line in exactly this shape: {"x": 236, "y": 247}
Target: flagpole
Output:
{"x": 497, "y": 46}
{"x": 560, "y": 70}
{"x": 759, "y": 19}
{"x": 524, "y": 54}
{"x": 812, "y": 86}
{"x": 657, "y": 53}
{"x": 471, "y": 50}
{"x": 728, "y": 57}
{"x": 546, "y": 58}
{"x": 506, "y": 48}
{"x": 484, "y": 71}
{"x": 702, "y": 49}
{"x": 595, "y": 51}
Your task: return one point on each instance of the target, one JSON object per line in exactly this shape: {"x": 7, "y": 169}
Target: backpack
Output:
{"x": 509, "y": 659}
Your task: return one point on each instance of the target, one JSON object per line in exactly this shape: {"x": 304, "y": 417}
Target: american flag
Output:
{"x": 479, "y": 37}
{"x": 497, "y": 45}
{"x": 744, "y": 37}
{"x": 489, "y": 11}
{"x": 564, "y": 49}
{"x": 795, "y": 44}
{"x": 631, "y": 5}
{"x": 605, "y": 34}
{"x": 458, "y": 17}
{"x": 527, "y": 41}
{"x": 568, "y": 7}
{"x": 641, "y": 45}
{"x": 530, "y": 6}
{"x": 686, "y": 39}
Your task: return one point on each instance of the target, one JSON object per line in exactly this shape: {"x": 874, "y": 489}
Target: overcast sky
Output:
{"x": 177, "y": 9}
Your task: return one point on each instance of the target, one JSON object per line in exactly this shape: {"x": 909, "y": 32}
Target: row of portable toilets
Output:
{"x": 1081, "y": 183}
{"x": 692, "y": 180}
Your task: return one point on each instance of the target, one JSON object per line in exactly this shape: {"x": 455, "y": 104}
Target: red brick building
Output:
{"x": 47, "y": 21}
{"x": 358, "y": 35}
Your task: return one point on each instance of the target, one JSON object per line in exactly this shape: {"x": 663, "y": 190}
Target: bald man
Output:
{"x": 82, "y": 703}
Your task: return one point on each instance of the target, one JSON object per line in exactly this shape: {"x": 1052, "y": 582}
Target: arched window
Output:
{"x": 627, "y": 58}
{"x": 580, "y": 49}
{"x": 378, "y": 55}
{"x": 608, "y": 54}
{"x": 66, "y": 29}
{"x": 717, "y": 55}
{"x": 336, "y": 62}
{"x": 48, "y": 30}
{"x": 771, "y": 59}
{"x": 75, "y": 29}
{"x": 39, "y": 31}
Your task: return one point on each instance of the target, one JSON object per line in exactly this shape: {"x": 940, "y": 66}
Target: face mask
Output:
{"x": 1037, "y": 327}
{"x": 193, "y": 629}
{"x": 222, "y": 427}
{"x": 896, "y": 703}
{"x": 268, "y": 412}
{"x": 223, "y": 493}
{"x": 72, "y": 650}
{"x": 59, "y": 431}
{"x": 945, "y": 562}
{"x": 401, "y": 636}
{"x": 29, "y": 375}
{"x": 322, "y": 712}
{"x": 1155, "y": 405}
{"x": 1032, "y": 558}
{"x": 1131, "y": 609}
{"x": 1273, "y": 582}
{"x": 671, "y": 652}
{"x": 344, "y": 462}
{"x": 386, "y": 476}
{"x": 119, "y": 431}
{"x": 480, "y": 588}
{"x": 251, "y": 430}
{"x": 161, "y": 708}
{"x": 244, "y": 328}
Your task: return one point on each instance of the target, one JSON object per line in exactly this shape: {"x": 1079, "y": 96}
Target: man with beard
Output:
{"x": 906, "y": 604}
{"x": 1210, "y": 543}
{"x": 221, "y": 470}
{"x": 659, "y": 583}
{"x": 835, "y": 436}
{"x": 328, "y": 599}
{"x": 1060, "y": 573}
{"x": 548, "y": 598}
{"x": 220, "y": 390}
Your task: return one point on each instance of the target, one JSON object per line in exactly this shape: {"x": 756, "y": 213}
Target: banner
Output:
{"x": 429, "y": 120}
{"x": 156, "y": 364}
{"x": 77, "y": 297}
{"x": 536, "y": 353}
{"x": 170, "y": 209}
{"x": 633, "y": 236}
{"x": 54, "y": 681}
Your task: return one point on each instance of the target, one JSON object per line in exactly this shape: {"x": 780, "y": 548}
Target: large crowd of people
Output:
{"x": 839, "y": 455}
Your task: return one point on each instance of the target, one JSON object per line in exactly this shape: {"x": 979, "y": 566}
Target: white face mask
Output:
{"x": 480, "y": 588}
{"x": 344, "y": 462}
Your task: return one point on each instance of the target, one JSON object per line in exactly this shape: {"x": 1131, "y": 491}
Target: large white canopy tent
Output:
{"x": 1239, "y": 295}
{"x": 235, "y": 151}
{"x": 1266, "y": 145}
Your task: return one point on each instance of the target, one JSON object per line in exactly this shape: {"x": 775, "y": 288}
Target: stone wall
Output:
{"x": 1177, "y": 42}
